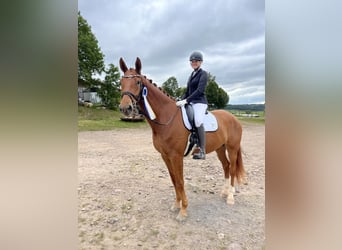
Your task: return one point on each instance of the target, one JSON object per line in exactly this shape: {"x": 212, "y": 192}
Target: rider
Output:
{"x": 195, "y": 95}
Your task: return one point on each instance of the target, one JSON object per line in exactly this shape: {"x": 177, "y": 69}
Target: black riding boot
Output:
{"x": 201, "y": 139}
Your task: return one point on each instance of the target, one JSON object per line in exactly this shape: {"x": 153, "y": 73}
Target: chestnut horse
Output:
{"x": 170, "y": 136}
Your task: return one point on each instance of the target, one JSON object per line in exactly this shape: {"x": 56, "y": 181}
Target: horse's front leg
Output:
{"x": 177, "y": 163}
{"x": 175, "y": 167}
{"x": 177, "y": 204}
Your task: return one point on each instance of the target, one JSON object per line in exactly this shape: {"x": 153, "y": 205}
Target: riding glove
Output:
{"x": 181, "y": 103}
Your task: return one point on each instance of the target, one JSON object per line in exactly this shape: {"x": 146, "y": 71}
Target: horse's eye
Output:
{"x": 138, "y": 82}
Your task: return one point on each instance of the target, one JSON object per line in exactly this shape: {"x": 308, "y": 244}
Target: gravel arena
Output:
{"x": 125, "y": 195}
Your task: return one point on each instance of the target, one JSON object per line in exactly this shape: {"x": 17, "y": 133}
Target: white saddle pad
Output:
{"x": 210, "y": 122}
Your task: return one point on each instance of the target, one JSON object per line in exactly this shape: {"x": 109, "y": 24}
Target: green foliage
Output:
{"x": 216, "y": 96}
{"x": 90, "y": 57}
{"x": 222, "y": 98}
{"x": 211, "y": 93}
{"x": 110, "y": 88}
{"x": 180, "y": 92}
{"x": 170, "y": 86}
{"x": 251, "y": 107}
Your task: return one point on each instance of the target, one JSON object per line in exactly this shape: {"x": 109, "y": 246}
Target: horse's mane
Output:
{"x": 155, "y": 85}
{"x": 159, "y": 88}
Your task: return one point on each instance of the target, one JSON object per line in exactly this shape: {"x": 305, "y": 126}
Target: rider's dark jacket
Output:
{"x": 195, "y": 90}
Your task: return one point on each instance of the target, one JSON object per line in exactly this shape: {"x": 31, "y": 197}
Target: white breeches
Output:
{"x": 199, "y": 112}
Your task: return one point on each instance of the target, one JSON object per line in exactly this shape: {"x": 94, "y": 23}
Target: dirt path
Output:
{"x": 125, "y": 195}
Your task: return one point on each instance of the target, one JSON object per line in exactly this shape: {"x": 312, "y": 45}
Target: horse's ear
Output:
{"x": 123, "y": 66}
{"x": 138, "y": 65}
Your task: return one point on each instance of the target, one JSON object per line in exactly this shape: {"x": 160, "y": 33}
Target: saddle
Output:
{"x": 209, "y": 123}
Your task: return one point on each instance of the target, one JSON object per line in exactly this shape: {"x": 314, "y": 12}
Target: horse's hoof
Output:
{"x": 180, "y": 217}
{"x": 230, "y": 201}
{"x": 174, "y": 209}
{"x": 224, "y": 193}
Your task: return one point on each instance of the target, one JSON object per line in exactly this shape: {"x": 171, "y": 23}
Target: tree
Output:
{"x": 180, "y": 92}
{"x": 222, "y": 99}
{"x": 170, "y": 86}
{"x": 110, "y": 88}
{"x": 90, "y": 57}
{"x": 211, "y": 91}
{"x": 216, "y": 96}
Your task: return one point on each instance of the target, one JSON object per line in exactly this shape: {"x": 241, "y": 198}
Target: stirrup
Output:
{"x": 199, "y": 156}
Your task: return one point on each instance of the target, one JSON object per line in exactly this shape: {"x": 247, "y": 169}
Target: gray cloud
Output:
{"x": 164, "y": 33}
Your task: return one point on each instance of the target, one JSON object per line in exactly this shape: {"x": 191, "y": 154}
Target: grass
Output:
{"x": 260, "y": 119}
{"x": 94, "y": 119}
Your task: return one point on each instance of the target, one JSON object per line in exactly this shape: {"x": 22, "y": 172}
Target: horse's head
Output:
{"x": 131, "y": 86}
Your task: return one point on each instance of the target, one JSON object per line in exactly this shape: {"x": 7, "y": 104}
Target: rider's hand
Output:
{"x": 181, "y": 103}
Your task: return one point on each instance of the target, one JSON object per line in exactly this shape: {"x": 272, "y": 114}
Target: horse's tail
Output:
{"x": 240, "y": 171}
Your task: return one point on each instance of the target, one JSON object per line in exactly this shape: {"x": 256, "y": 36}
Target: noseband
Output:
{"x": 130, "y": 94}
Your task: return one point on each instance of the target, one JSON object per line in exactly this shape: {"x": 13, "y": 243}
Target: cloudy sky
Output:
{"x": 163, "y": 33}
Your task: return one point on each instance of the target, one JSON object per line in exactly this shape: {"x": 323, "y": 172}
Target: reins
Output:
{"x": 138, "y": 97}
{"x": 168, "y": 122}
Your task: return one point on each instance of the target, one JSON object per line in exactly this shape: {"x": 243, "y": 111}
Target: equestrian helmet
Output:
{"x": 196, "y": 56}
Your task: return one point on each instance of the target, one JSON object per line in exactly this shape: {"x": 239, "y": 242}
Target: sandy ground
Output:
{"x": 125, "y": 196}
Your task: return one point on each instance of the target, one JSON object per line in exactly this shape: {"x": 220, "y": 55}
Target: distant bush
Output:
{"x": 246, "y": 107}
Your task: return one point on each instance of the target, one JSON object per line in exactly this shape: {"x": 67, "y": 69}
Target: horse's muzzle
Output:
{"x": 127, "y": 109}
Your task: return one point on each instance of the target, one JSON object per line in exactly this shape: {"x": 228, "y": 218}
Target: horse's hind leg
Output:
{"x": 221, "y": 154}
{"x": 233, "y": 154}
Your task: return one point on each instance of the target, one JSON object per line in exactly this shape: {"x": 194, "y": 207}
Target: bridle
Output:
{"x": 137, "y": 98}
{"x": 130, "y": 94}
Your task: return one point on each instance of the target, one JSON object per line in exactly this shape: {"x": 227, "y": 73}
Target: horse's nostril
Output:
{"x": 126, "y": 110}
